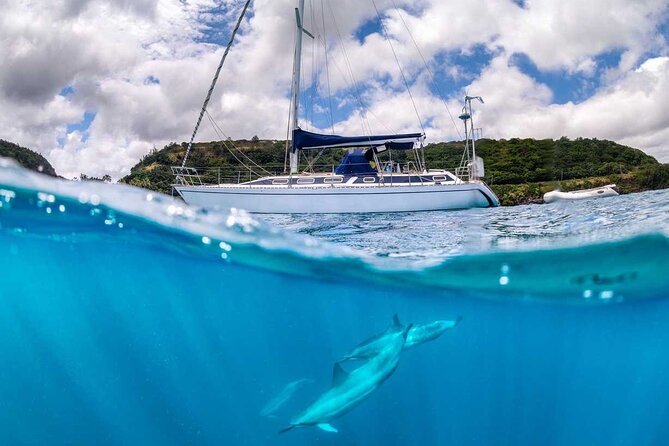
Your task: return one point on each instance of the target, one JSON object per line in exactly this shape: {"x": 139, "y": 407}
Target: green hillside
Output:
{"x": 519, "y": 170}
{"x": 517, "y": 161}
{"x": 26, "y": 157}
{"x": 153, "y": 171}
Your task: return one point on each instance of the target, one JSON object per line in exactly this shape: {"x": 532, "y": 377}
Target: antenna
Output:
{"x": 470, "y": 135}
{"x": 469, "y": 99}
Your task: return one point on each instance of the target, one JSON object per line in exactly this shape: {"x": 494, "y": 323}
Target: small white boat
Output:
{"x": 596, "y": 192}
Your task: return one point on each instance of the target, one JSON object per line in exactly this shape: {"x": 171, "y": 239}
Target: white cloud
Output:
{"x": 634, "y": 110}
{"x": 568, "y": 33}
{"x": 109, "y": 49}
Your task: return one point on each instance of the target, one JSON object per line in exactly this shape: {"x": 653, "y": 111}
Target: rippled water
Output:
{"x": 128, "y": 318}
{"x": 437, "y": 235}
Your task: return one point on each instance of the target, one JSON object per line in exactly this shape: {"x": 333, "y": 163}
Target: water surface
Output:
{"x": 128, "y": 318}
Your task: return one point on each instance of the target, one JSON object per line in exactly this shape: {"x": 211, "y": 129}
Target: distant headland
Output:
{"x": 26, "y": 158}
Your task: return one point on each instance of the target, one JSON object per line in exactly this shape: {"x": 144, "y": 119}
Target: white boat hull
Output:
{"x": 598, "y": 192}
{"x": 340, "y": 199}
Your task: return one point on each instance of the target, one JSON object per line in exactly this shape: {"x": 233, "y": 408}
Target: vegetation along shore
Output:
{"x": 519, "y": 171}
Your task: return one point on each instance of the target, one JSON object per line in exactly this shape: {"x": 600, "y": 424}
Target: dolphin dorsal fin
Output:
{"x": 339, "y": 375}
{"x": 405, "y": 333}
{"x": 396, "y": 321}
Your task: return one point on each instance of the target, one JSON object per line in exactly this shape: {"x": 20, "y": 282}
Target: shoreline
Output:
{"x": 641, "y": 180}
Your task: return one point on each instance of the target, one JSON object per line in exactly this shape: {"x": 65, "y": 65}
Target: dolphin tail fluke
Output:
{"x": 286, "y": 429}
{"x": 396, "y": 321}
{"x": 458, "y": 320}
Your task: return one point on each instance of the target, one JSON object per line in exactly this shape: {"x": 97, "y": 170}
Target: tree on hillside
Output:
{"x": 105, "y": 178}
{"x": 26, "y": 158}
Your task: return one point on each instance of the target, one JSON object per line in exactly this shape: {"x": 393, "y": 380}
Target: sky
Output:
{"x": 94, "y": 85}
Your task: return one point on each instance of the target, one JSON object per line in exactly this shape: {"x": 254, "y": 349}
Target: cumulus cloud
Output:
{"x": 142, "y": 67}
{"x": 634, "y": 110}
{"x": 569, "y": 33}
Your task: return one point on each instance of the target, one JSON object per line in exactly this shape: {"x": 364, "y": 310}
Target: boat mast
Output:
{"x": 297, "y": 67}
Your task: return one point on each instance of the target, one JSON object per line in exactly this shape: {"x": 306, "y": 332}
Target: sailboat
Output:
{"x": 362, "y": 183}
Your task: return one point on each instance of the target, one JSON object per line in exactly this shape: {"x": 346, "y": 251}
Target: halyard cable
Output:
{"x": 399, "y": 66}
{"x": 427, "y": 67}
{"x": 213, "y": 82}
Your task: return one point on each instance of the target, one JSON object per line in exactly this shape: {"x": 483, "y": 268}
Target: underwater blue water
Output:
{"x": 128, "y": 318}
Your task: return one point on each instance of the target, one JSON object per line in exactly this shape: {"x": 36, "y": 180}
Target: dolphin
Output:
{"x": 283, "y": 397}
{"x": 421, "y": 333}
{"x": 371, "y": 347}
{"x": 350, "y": 389}
{"x": 418, "y": 334}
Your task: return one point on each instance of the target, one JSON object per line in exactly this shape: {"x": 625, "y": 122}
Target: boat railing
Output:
{"x": 464, "y": 173}
{"x": 187, "y": 176}
{"x": 204, "y": 176}
{"x": 209, "y": 176}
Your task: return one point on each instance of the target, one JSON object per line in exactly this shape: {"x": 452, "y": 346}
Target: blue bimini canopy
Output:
{"x": 306, "y": 140}
{"x": 355, "y": 163}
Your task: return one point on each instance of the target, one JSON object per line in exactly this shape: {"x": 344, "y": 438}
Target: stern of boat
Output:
{"x": 493, "y": 200}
